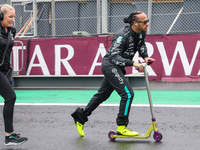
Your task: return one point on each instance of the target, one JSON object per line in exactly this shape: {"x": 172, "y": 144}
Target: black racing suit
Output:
{"x": 125, "y": 44}
{"x": 6, "y": 90}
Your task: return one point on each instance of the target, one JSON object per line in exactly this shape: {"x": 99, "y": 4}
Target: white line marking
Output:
{"x": 82, "y": 104}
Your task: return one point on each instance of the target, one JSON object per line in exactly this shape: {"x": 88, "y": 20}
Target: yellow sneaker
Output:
{"x": 80, "y": 128}
{"x": 123, "y": 130}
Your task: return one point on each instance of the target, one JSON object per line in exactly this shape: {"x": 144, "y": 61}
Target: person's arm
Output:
{"x": 143, "y": 53}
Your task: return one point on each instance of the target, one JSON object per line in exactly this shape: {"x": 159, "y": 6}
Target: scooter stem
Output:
{"x": 148, "y": 91}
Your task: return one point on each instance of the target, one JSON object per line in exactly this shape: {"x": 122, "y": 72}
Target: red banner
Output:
{"x": 177, "y": 56}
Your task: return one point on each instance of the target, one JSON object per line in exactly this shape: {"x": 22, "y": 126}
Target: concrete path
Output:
{"x": 52, "y": 128}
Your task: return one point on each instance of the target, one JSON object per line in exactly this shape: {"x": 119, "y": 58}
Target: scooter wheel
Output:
{"x": 110, "y": 134}
{"x": 157, "y": 136}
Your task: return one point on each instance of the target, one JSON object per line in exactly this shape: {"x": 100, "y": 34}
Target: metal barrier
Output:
{"x": 137, "y": 81}
{"x": 53, "y": 18}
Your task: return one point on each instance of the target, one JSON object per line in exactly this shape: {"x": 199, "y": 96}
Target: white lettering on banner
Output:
{"x": 101, "y": 51}
{"x": 179, "y": 49}
{"x": 16, "y": 57}
{"x": 198, "y": 73}
{"x": 136, "y": 58}
{"x": 168, "y": 62}
{"x": 37, "y": 52}
{"x": 150, "y": 51}
{"x": 64, "y": 61}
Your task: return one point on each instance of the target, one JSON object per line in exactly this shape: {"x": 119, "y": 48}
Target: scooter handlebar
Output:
{"x": 150, "y": 62}
{"x": 146, "y": 64}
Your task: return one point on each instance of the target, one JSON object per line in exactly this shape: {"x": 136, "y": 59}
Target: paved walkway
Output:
{"x": 52, "y": 128}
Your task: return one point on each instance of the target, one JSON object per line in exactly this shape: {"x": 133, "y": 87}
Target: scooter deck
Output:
{"x": 140, "y": 136}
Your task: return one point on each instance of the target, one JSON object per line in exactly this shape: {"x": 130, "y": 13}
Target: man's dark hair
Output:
{"x": 132, "y": 17}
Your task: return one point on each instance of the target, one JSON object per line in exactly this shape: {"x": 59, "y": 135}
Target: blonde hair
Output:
{"x": 5, "y": 8}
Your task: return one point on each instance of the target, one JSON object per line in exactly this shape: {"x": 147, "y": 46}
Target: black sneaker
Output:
{"x": 14, "y": 139}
